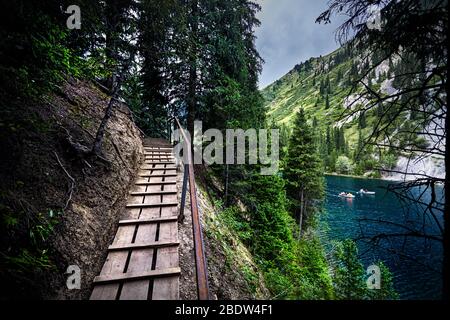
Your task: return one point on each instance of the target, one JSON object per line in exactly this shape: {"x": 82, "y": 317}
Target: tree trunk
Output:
{"x": 300, "y": 218}
{"x": 111, "y": 34}
{"x": 192, "y": 87}
{"x": 446, "y": 240}
{"x": 98, "y": 142}
{"x": 226, "y": 184}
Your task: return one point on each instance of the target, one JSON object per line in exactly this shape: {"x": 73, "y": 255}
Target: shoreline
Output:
{"x": 333, "y": 174}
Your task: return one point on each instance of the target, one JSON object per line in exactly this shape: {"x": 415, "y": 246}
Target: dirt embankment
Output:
{"x": 232, "y": 273}
{"x": 58, "y": 207}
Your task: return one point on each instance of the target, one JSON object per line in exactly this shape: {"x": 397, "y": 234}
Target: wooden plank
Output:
{"x": 167, "y": 288}
{"x": 158, "y": 175}
{"x": 153, "y": 203}
{"x": 159, "y": 162}
{"x": 131, "y": 246}
{"x": 145, "y": 168}
{"x": 148, "y": 221}
{"x": 151, "y": 193}
{"x": 141, "y": 260}
{"x": 150, "y": 205}
{"x": 149, "y": 149}
{"x": 114, "y": 264}
{"x": 157, "y": 149}
{"x": 137, "y": 275}
{"x": 155, "y": 183}
{"x": 157, "y": 152}
{"x": 156, "y": 179}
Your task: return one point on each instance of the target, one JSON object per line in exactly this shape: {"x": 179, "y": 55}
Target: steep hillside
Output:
{"x": 307, "y": 86}
{"x": 324, "y": 88}
{"x": 57, "y": 207}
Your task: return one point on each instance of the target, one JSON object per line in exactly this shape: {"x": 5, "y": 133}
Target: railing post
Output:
{"x": 183, "y": 192}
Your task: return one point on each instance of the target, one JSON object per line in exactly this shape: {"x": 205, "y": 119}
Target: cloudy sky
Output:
{"x": 289, "y": 35}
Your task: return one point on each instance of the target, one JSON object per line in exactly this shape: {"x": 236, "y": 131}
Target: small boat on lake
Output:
{"x": 346, "y": 195}
{"x": 365, "y": 191}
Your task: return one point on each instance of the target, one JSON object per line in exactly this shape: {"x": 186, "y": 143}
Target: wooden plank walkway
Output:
{"x": 143, "y": 260}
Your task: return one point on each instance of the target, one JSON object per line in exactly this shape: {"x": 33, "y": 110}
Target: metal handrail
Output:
{"x": 199, "y": 248}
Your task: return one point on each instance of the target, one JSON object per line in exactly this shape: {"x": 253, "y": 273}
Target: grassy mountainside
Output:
{"x": 324, "y": 88}
{"x": 300, "y": 88}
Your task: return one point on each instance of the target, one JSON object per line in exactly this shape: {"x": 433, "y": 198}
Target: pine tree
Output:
{"x": 362, "y": 120}
{"x": 327, "y": 102}
{"x": 387, "y": 290}
{"x": 349, "y": 278}
{"x": 359, "y": 146}
{"x": 339, "y": 76}
{"x": 328, "y": 84}
{"x": 329, "y": 140}
{"x": 303, "y": 171}
{"x": 322, "y": 87}
{"x": 342, "y": 141}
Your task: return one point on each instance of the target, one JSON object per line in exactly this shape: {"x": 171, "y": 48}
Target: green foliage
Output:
{"x": 292, "y": 269}
{"x": 350, "y": 278}
{"x": 303, "y": 169}
{"x": 26, "y": 261}
{"x": 387, "y": 290}
{"x": 344, "y": 165}
{"x": 32, "y": 253}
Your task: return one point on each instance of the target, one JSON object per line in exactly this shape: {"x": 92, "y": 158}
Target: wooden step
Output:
{"x": 147, "y": 221}
{"x": 158, "y": 175}
{"x": 160, "y": 162}
{"x": 155, "y": 183}
{"x": 158, "y": 169}
{"x": 152, "y": 205}
{"x": 131, "y": 246}
{"x": 157, "y": 152}
{"x": 152, "y": 193}
{"x": 137, "y": 275}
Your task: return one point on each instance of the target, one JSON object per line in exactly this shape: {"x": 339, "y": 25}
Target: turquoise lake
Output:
{"x": 415, "y": 262}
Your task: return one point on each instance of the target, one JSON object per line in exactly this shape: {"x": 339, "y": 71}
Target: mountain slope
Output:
{"x": 324, "y": 88}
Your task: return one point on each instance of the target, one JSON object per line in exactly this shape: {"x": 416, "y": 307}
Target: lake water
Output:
{"x": 415, "y": 262}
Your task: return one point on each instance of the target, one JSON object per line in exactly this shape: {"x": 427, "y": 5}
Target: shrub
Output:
{"x": 344, "y": 165}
